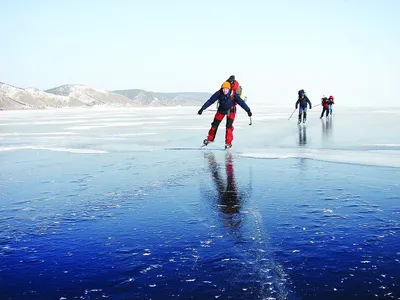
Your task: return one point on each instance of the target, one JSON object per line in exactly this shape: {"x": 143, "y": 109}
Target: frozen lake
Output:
{"x": 124, "y": 204}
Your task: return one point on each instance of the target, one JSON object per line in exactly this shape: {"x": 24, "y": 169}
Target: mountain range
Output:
{"x": 74, "y": 95}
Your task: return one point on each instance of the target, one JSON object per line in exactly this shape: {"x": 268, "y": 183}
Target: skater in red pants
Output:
{"x": 227, "y": 106}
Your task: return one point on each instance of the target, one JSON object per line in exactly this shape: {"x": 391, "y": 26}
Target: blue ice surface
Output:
{"x": 125, "y": 204}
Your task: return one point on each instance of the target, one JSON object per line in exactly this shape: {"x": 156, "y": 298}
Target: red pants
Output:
{"x": 230, "y": 117}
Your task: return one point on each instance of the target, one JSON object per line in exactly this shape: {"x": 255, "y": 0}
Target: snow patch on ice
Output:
{"x": 135, "y": 134}
{"x": 371, "y": 158}
{"x": 383, "y": 145}
{"x": 36, "y": 133}
{"x": 71, "y": 150}
{"x": 120, "y": 124}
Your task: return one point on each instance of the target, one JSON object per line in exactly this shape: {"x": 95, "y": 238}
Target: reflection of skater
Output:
{"x": 228, "y": 196}
{"x": 302, "y": 135}
{"x": 326, "y": 126}
{"x": 302, "y": 101}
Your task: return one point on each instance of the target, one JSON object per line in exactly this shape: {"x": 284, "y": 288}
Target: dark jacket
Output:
{"x": 325, "y": 102}
{"x": 303, "y": 102}
{"x": 226, "y": 102}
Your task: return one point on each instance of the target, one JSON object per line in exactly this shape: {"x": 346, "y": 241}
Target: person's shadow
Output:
{"x": 229, "y": 199}
{"x": 302, "y": 135}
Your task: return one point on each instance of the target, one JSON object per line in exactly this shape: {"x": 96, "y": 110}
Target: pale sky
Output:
{"x": 347, "y": 48}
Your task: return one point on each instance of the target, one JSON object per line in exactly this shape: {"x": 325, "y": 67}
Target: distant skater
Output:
{"x": 325, "y": 106}
{"x": 302, "y": 101}
{"x": 331, "y": 101}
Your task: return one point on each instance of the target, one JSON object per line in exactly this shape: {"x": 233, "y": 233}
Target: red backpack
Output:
{"x": 234, "y": 86}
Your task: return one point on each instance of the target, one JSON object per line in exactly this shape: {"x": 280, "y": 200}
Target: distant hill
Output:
{"x": 91, "y": 96}
{"x": 16, "y": 98}
{"x": 164, "y": 99}
{"x": 75, "y": 95}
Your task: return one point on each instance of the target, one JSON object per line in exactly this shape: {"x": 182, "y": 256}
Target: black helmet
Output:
{"x": 231, "y": 78}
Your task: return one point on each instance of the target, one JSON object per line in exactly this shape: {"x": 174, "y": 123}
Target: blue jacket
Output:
{"x": 303, "y": 102}
{"x": 225, "y": 101}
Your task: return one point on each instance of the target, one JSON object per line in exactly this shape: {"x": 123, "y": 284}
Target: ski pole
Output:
{"x": 292, "y": 114}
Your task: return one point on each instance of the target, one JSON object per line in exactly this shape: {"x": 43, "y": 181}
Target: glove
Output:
{"x": 200, "y": 112}
{"x": 249, "y": 113}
